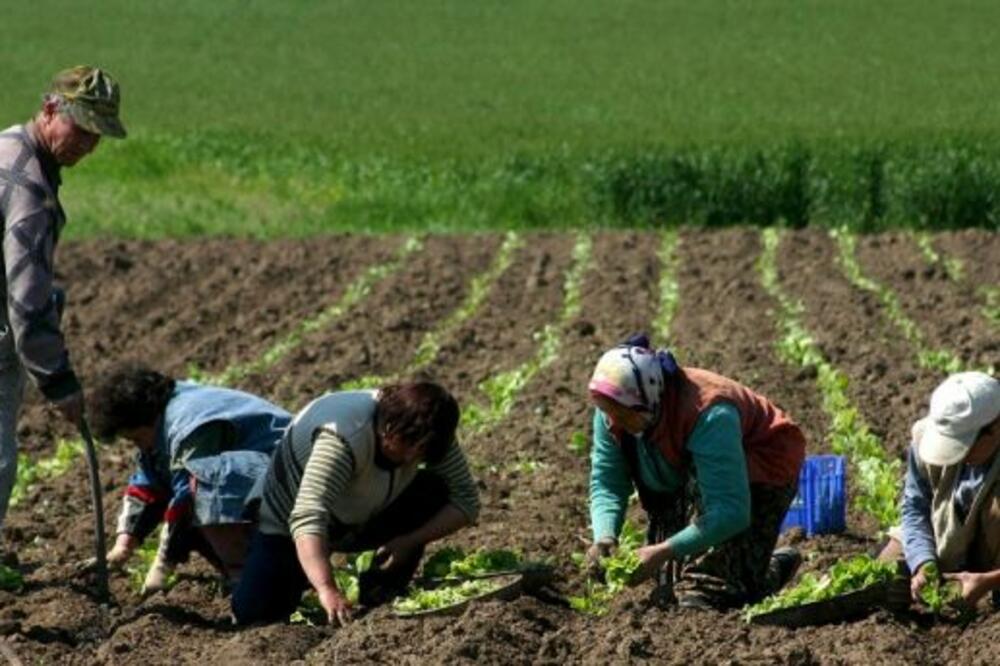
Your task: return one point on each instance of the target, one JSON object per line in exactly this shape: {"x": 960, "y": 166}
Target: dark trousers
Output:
{"x": 273, "y": 580}
{"x": 736, "y": 571}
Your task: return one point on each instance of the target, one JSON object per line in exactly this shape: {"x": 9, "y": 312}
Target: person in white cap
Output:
{"x": 951, "y": 497}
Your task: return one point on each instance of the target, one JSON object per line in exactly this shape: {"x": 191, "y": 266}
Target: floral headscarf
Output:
{"x": 633, "y": 375}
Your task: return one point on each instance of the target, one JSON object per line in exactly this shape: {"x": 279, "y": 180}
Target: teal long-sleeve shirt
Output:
{"x": 716, "y": 447}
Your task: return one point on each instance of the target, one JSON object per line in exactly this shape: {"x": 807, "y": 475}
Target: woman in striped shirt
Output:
{"x": 356, "y": 470}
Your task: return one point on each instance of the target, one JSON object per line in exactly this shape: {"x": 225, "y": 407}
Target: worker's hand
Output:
{"x": 651, "y": 558}
{"x": 157, "y": 576}
{"x": 395, "y": 552}
{"x": 920, "y": 579}
{"x": 598, "y": 551}
{"x": 338, "y": 608}
{"x": 124, "y": 546}
{"x": 71, "y": 407}
{"x": 974, "y": 585}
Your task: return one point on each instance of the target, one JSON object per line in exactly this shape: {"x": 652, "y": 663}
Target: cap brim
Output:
{"x": 97, "y": 123}
{"x": 937, "y": 448}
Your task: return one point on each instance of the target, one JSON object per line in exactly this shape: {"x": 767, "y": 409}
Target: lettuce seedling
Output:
{"x": 850, "y": 575}
{"x": 937, "y": 593}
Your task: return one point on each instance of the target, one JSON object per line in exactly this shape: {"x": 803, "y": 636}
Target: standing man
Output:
{"x": 80, "y": 107}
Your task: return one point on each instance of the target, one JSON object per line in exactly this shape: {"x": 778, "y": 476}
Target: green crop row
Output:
{"x": 952, "y": 266}
{"x": 502, "y": 389}
{"x": 991, "y": 308}
{"x": 877, "y": 477}
{"x": 935, "y": 359}
{"x": 353, "y": 295}
{"x": 430, "y": 345}
{"x": 669, "y": 292}
{"x": 955, "y": 270}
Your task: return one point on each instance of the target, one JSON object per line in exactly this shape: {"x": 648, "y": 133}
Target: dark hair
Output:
{"x": 420, "y": 413}
{"x": 130, "y": 396}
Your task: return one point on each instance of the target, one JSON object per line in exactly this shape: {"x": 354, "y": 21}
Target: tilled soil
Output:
{"x": 946, "y": 310}
{"x": 223, "y": 302}
{"x": 886, "y": 382}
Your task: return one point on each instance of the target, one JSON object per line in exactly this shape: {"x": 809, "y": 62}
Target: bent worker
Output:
{"x": 657, "y": 426}
{"x": 348, "y": 477}
{"x": 80, "y": 107}
{"x": 951, "y": 496}
{"x": 200, "y": 451}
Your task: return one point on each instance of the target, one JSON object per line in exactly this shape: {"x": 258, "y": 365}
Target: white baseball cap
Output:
{"x": 960, "y": 406}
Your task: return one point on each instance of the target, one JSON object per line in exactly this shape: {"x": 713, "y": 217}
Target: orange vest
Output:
{"x": 773, "y": 443}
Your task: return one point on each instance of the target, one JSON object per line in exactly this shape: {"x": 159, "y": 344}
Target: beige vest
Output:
{"x": 350, "y": 416}
{"x": 954, "y": 537}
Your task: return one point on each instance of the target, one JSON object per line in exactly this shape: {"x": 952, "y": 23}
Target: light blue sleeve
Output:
{"x": 716, "y": 447}
{"x": 610, "y": 484}
{"x": 919, "y": 546}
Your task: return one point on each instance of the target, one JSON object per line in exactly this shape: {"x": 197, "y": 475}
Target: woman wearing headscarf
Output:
{"x": 673, "y": 434}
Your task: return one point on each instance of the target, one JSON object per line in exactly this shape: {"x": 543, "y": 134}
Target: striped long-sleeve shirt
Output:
{"x": 324, "y": 474}
{"x": 330, "y": 470}
{"x": 32, "y": 219}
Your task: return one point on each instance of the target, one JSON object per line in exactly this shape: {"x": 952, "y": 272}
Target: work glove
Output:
{"x": 598, "y": 551}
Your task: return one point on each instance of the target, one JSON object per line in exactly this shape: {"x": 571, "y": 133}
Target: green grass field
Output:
{"x": 274, "y": 118}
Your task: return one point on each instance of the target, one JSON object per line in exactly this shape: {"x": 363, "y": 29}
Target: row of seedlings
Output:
{"x": 427, "y": 351}
{"x": 502, "y": 389}
{"x": 352, "y": 296}
{"x": 877, "y": 476}
{"x": 941, "y": 360}
{"x": 954, "y": 269}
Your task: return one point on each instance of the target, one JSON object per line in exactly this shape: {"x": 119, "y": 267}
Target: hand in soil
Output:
{"x": 156, "y": 577}
{"x": 394, "y": 553}
{"x": 653, "y": 558}
{"x": 919, "y": 581}
{"x": 338, "y": 609}
{"x": 125, "y": 544}
{"x": 595, "y": 554}
{"x": 974, "y": 585}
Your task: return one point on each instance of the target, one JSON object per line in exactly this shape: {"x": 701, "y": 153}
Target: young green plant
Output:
{"x": 844, "y": 577}
{"x": 455, "y": 575}
{"x": 849, "y": 435}
{"x": 619, "y": 569}
{"x": 502, "y": 389}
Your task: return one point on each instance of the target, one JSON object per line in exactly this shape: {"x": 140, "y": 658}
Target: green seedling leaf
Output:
{"x": 425, "y": 600}
{"x": 579, "y": 444}
{"x": 938, "y": 593}
{"x": 10, "y": 579}
{"x": 845, "y": 576}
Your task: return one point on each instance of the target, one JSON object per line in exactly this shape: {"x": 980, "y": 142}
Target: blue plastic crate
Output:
{"x": 820, "y": 506}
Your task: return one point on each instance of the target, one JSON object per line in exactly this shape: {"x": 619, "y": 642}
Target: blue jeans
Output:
{"x": 11, "y": 393}
{"x": 273, "y": 580}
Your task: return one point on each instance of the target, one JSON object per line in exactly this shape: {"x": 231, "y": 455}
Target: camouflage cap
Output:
{"x": 91, "y": 98}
